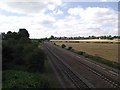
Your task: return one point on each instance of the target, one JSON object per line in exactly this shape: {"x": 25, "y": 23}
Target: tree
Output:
{"x": 35, "y": 60}
{"x": 52, "y": 37}
{"x": 3, "y": 35}
{"x": 0, "y": 36}
{"x": 69, "y": 48}
{"x": 8, "y": 35}
{"x": 63, "y": 46}
{"x": 23, "y": 33}
{"x": 15, "y": 36}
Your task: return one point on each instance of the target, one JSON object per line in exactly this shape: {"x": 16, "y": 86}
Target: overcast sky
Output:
{"x": 60, "y": 17}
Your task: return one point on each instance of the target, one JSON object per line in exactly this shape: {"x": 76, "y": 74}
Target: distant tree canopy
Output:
{"x": 23, "y": 33}
{"x": 89, "y": 37}
{"x": 0, "y": 36}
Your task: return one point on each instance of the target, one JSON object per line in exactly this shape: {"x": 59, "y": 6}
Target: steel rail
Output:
{"x": 77, "y": 80}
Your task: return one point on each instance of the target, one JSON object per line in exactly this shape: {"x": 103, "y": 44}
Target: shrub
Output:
{"x": 69, "y": 48}
{"x": 81, "y": 53}
{"x": 20, "y": 79}
{"x": 63, "y": 46}
{"x": 54, "y": 43}
{"x": 35, "y": 61}
{"x": 99, "y": 59}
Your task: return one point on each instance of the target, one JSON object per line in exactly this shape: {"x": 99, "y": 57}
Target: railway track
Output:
{"x": 106, "y": 78}
{"x": 79, "y": 81}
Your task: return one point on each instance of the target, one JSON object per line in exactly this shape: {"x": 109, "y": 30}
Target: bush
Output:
{"x": 35, "y": 61}
{"x": 99, "y": 59}
{"x": 20, "y": 79}
{"x": 63, "y": 46}
{"x": 81, "y": 53}
{"x": 54, "y": 43}
{"x": 69, "y": 48}
{"x": 7, "y": 56}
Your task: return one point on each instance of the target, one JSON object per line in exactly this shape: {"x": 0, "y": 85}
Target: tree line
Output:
{"x": 89, "y": 37}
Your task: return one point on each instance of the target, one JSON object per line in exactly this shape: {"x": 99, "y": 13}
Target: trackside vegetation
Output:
{"x": 95, "y": 58}
{"x": 99, "y": 59}
{"x": 22, "y": 79}
{"x": 22, "y": 61}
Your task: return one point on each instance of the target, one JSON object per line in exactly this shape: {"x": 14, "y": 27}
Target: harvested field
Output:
{"x": 104, "y": 50}
{"x": 116, "y": 41}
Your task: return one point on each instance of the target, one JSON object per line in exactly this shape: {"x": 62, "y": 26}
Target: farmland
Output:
{"x": 107, "y": 49}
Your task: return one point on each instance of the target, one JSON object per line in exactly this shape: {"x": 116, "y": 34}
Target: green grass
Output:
{"x": 21, "y": 79}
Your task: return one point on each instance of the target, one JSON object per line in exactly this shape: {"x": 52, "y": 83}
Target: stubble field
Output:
{"x": 107, "y": 51}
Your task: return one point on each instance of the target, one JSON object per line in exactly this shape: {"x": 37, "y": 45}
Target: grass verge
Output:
{"x": 99, "y": 59}
{"x": 21, "y": 79}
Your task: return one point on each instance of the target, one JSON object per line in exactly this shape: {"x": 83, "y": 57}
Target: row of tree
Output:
{"x": 109, "y": 37}
{"x": 22, "y": 34}
{"x": 89, "y": 37}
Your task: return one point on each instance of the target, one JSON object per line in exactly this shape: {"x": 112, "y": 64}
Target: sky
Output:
{"x": 60, "y": 18}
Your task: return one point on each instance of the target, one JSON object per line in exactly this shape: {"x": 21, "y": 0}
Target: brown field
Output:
{"x": 90, "y": 40}
{"x": 107, "y": 51}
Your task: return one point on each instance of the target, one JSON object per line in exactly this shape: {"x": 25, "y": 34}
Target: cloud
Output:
{"x": 30, "y": 7}
{"x": 34, "y": 25}
{"x": 104, "y": 0}
{"x": 109, "y": 0}
{"x": 75, "y": 11}
{"x": 23, "y": 7}
{"x": 75, "y": 21}
{"x": 57, "y": 12}
{"x": 35, "y": 20}
{"x": 95, "y": 15}
{"x": 89, "y": 21}
{"x": 51, "y": 7}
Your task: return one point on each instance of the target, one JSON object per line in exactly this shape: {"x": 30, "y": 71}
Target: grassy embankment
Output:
{"x": 20, "y": 78}
{"x": 23, "y": 62}
{"x": 104, "y": 52}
